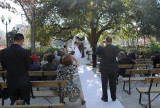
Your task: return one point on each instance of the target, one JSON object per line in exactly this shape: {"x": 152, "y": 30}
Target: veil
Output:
{"x": 74, "y": 39}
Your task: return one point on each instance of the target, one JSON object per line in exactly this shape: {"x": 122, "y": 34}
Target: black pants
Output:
{"x": 110, "y": 75}
{"x": 20, "y": 93}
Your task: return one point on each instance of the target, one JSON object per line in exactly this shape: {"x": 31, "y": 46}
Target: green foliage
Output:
{"x": 41, "y": 51}
{"x": 118, "y": 44}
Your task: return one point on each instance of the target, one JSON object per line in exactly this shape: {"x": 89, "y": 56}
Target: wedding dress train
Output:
{"x": 77, "y": 53}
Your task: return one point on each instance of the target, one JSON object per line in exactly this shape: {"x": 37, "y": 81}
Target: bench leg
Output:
{"x": 2, "y": 101}
{"x": 140, "y": 98}
{"x": 129, "y": 88}
{"x": 61, "y": 99}
{"x": 124, "y": 86}
{"x": 149, "y": 100}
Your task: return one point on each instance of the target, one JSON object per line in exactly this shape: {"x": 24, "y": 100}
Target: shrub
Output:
{"x": 41, "y": 51}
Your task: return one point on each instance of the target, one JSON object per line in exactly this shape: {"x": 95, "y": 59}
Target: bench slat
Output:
{"x": 34, "y": 73}
{"x": 130, "y": 66}
{"x": 44, "y": 94}
{"x": 125, "y": 79}
{"x": 145, "y": 89}
{"x": 136, "y": 71}
{"x": 41, "y": 84}
{"x": 155, "y": 80}
{"x": 35, "y": 106}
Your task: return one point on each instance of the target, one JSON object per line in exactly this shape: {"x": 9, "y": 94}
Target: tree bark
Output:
{"x": 144, "y": 41}
{"x": 33, "y": 29}
{"x": 94, "y": 46}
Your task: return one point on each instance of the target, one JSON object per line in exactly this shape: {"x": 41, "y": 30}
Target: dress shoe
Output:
{"x": 113, "y": 99}
{"x": 83, "y": 102}
{"x": 104, "y": 100}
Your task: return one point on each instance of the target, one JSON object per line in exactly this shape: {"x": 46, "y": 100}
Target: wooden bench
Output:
{"x": 130, "y": 79}
{"x": 33, "y": 73}
{"x": 149, "y": 90}
{"x": 145, "y": 62}
{"x": 36, "y": 106}
{"x": 47, "y": 93}
{"x": 132, "y": 66}
{"x": 143, "y": 59}
{"x": 157, "y": 65}
{"x": 0, "y": 68}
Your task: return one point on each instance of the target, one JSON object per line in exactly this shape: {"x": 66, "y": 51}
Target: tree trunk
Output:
{"x": 94, "y": 46}
{"x": 128, "y": 42}
{"x": 132, "y": 42}
{"x": 33, "y": 29}
{"x": 144, "y": 41}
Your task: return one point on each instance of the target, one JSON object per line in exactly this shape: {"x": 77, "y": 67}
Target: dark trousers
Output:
{"x": 21, "y": 93}
{"x": 111, "y": 76}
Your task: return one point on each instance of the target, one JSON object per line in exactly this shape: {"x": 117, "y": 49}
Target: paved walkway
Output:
{"x": 92, "y": 90}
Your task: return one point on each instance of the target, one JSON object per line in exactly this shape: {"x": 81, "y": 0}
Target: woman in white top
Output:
{"x": 44, "y": 61}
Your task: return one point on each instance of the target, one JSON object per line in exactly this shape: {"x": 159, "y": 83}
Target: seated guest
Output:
{"x": 141, "y": 55}
{"x": 44, "y": 61}
{"x": 56, "y": 56}
{"x": 133, "y": 55}
{"x": 61, "y": 54}
{"x": 124, "y": 60}
{"x": 34, "y": 67}
{"x": 65, "y": 72}
{"x": 50, "y": 66}
{"x": 65, "y": 49}
{"x": 35, "y": 57}
{"x": 156, "y": 59}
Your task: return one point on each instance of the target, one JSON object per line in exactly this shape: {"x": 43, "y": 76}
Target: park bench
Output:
{"x": 146, "y": 62}
{"x": 144, "y": 59}
{"x": 36, "y": 106}
{"x": 157, "y": 65}
{"x": 3, "y": 74}
{"x": 132, "y": 66}
{"x": 149, "y": 90}
{"x": 0, "y": 68}
{"x": 45, "y": 93}
{"x": 130, "y": 79}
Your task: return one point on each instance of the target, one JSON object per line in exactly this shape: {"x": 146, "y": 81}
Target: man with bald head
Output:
{"x": 108, "y": 66}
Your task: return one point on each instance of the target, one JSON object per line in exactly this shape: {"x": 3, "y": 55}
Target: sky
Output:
{"x": 16, "y": 18}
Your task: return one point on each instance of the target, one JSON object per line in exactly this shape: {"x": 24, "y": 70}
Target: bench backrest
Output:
{"x": 157, "y": 65}
{"x": 0, "y": 68}
{"x": 36, "y": 106}
{"x": 34, "y": 73}
{"x": 42, "y": 84}
{"x": 142, "y": 71}
{"x": 130, "y": 66}
{"x": 137, "y": 71}
{"x": 145, "y": 62}
{"x": 143, "y": 59}
{"x": 153, "y": 79}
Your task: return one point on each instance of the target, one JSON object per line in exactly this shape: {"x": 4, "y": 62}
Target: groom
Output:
{"x": 81, "y": 48}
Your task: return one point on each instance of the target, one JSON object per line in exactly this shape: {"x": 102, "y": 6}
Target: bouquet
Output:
{"x": 87, "y": 52}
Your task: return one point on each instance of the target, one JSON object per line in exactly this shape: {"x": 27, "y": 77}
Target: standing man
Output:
{"x": 108, "y": 66}
{"x": 81, "y": 48}
{"x": 15, "y": 60}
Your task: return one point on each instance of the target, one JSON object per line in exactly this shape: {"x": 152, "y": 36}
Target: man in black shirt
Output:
{"x": 15, "y": 60}
{"x": 108, "y": 66}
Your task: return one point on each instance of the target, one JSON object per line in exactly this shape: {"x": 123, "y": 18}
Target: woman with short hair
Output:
{"x": 65, "y": 72}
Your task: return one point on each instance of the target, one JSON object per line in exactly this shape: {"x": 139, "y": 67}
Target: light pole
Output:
{"x": 6, "y": 23}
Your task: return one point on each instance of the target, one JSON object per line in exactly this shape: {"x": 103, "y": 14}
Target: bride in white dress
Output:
{"x": 77, "y": 53}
